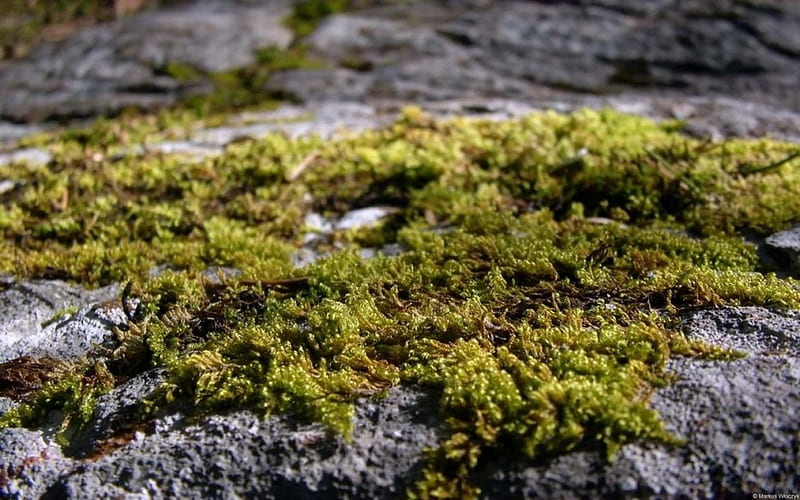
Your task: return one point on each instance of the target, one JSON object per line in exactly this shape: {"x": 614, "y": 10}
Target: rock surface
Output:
{"x": 111, "y": 66}
{"x": 727, "y": 453}
{"x": 654, "y": 53}
{"x": 785, "y": 247}
{"x": 29, "y": 323}
{"x": 737, "y": 60}
{"x": 729, "y": 68}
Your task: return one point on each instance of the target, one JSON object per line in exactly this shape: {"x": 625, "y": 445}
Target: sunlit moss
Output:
{"x": 547, "y": 262}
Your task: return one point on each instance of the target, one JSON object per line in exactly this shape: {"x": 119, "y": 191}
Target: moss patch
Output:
{"x": 308, "y": 14}
{"x": 540, "y": 328}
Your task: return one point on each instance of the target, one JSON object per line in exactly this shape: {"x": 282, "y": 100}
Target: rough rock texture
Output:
{"x": 759, "y": 331}
{"x": 651, "y": 55}
{"x": 739, "y": 440}
{"x": 27, "y": 307}
{"x": 739, "y": 437}
{"x": 71, "y": 337}
{"x": 29, "y": 463}
{"x": 241, "y": 455}
{"x": 28, "y": 155}
{"x": 515, "y": 48}
{"x": 245, "y": 455}
{"x": 323, "y": 119}
{"x": 739, "y": 62}
{"x": 110, "y": 66}
{"x": 785, "y": 248}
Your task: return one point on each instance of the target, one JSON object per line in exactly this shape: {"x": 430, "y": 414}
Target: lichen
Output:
{"x": 547, "y": 264}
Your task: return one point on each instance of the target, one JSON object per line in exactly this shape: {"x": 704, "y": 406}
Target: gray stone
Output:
{"x": 6, "y": 404}
{"x": 71, "y": 337}
{"x": 244, "y": 455}
{"x": 785, "y": 247}
{"x": 33, "y": 156}
{"x": 114, "y": 412}
{"x": 305, "y": 256}
{"x": 334, "y": 119}
{"x": 363, "y": 217}
{"x": 10, "y": 133}
{"x": 108, "y": 67}
{"x": 737, "y": 419}
{"x": 739, "y": 439}
{"x": 752, "y": 330}
{"x": 27, "y": 307}
{"x": 584, "y": 52}
{"x": 6, "y": 186}
{"x": 218, "y": 274}
{"x": 195, "y": 149}
{"x": 29, "y": 464}
{"x": 390, "y": 250}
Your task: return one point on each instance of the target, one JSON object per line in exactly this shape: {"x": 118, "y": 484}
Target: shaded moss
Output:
{"x": 307, "y": 14}
{"x": 547, "y": 264}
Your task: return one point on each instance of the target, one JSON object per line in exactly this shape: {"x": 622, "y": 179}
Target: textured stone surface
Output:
{"x": 27, "y": 155}
{"x": 29, "y": 463}
{"x": 110, "y": 66}
{"x": 27, "y": 307}
{"x": 71, "y": 337}
{"x": 114, "y": 413}
{"x": 541, "y": 50}
{"x": 243, "y": 455}
{"x": 785, "y": 247}
{"x": 738, "y": 62}
{"x": 739, "y": 439}
{"x": 752, "y": 330}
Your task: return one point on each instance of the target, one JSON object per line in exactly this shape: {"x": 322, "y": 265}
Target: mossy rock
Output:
{"x": 547, "y": 263}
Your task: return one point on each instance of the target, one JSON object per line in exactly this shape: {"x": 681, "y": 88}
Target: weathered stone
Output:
{"x": 726, "y": 453}
{"x": 114, "y": 412}
{"x": 111, "y": 66}
{"x": 540, "y": 52}
{"x": 752, "y": 330}
{"x": 29, "y": 464}
{"x": 11, "y": 132}
{"x": 71, "y": 337}
{"x": 785, "y": 247}
{"x": 27, "y": 307}
{"x": 33, "y": 156}
{"x": 739, "y": 438}
{"x": 242, "y": 454}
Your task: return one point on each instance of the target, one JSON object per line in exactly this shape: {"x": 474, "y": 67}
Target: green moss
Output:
{"x": 307, "y": 14}
{"x": 62, "y": 314}
{"x": 181, "y": 72}
{"x": 541, "y": 330}
{"x": 70, "y": 400}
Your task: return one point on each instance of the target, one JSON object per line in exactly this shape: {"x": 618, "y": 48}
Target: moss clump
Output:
{"x": 540, "y": 329}
{"x": 307, "y": 14}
